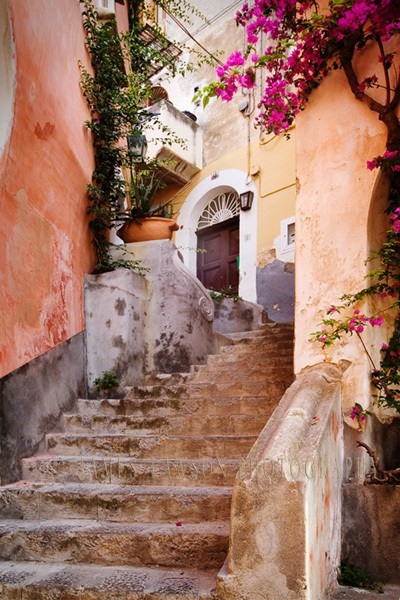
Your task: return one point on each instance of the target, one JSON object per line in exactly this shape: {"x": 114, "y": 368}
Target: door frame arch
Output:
{"x": 228, "y": 180}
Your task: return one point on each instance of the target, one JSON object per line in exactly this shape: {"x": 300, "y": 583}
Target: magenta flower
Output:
{"x": 376, "y": 322}
{"x": 389, "y": 154}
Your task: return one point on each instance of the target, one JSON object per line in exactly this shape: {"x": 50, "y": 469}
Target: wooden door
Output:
{"x": 217, "y": 266}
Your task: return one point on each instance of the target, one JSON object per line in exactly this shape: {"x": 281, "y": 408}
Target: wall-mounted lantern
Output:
{"x": 137, "y": 146}
{"x": 246, "y": 200}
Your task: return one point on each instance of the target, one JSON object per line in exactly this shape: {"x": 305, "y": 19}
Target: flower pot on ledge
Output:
{"x": 149, "y": 228}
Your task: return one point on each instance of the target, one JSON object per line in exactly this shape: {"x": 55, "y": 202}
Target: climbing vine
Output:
{"x": 118, "y": 91}
{"x": 304, "y": 41}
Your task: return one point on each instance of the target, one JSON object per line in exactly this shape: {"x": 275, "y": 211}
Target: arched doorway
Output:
{"x": 218, "y": 243}
{"x": 223, "y": 182}
{"x": 7, "y": 74}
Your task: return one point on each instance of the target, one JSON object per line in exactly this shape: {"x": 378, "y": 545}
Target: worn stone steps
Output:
{"x": 253, "y": 375}
{"x": 198, "y": 546}
{"x": 248, "y": 360}
{"x": 238, "y": 386}
{"x": 132, "y": 501}
{"x": 130, "y": 471}
{"x": 255, "y": 350}
{"x": 114, "y": 503}
{"x": 43, "y": 581}
{"x": 264, "y": 335}
{"x": 164, "y": 407}
{"x": 154, "y": 446}
{"x": 166, "y": 379}
{"x": 228, "y": 424}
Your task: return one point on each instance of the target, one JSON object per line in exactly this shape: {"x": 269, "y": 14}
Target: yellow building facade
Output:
{"x": 234, "y": 159}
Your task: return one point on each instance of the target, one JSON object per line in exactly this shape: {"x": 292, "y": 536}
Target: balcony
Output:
{"x": 181, "y": 164}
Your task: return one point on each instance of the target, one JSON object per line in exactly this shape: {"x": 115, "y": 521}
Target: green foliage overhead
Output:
{"x": 118, "y": 91}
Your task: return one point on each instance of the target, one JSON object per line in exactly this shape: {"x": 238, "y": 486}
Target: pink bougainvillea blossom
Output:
{"x": 303, "y": 45}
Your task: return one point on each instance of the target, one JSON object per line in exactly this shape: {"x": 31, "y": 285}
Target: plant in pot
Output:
{"x": 118, "y": 89}
{"x": 145, "y": 220}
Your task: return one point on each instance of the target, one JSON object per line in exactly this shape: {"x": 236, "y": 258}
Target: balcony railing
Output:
{"x": 180, "y": 163}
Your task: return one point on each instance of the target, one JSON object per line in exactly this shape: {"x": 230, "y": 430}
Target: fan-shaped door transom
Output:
{"x": 223, "y": 207}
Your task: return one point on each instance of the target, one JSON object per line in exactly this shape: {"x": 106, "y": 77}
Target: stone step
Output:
{"x": 167, "y": 378}
{"x": 150, "y": 446}
{"x": 256, "y": 345}
{"x": 191, "y": 424}
{"x": 41, "y": 581}
{"x": 391, "y": 592}
{"x": 164, "y": 407}
{"x": 260, "y": 334}
{"x": 115, "y": 503}
{"x": 198, "y": 546}
{"x": 225, "y": 374}
{"x": 129, "y": 471}
{"x": 238, "y": 386}
{"x": 174, "y": 391}
{"x": 245, "y": 353}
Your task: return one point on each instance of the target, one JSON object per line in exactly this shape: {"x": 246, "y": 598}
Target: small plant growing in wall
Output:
{"x": 350, "y": 575}
{"x": 226, "y": 292}
{"x": 107, "y": 381}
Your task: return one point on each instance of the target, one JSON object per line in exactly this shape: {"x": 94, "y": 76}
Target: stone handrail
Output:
{"x": 205, "y": 302}
{"x": 286, "y": 505}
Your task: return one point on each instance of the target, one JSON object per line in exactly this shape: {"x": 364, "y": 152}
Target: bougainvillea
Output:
{"x": 302, "y": 41}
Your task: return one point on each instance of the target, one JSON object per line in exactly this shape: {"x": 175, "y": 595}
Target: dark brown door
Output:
{"x": 217, "y": 267}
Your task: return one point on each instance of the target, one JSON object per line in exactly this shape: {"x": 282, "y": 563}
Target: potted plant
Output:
{"x": 144, "y": 220}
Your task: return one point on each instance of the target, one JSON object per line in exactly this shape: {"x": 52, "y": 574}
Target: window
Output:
{"x": 287, "y": 234}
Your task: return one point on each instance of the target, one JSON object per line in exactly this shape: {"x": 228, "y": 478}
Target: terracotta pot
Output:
{"x": 150, "y": 228}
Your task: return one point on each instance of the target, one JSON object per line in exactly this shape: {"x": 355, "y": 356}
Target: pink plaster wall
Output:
{"x": 335, "y": 136}
{"x": 45, "y": 246}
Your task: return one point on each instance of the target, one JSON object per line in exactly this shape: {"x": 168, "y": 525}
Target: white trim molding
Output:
{"x": 228, "y": 180}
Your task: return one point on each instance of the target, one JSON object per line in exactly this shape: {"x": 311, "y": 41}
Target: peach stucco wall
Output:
{"x": 44, "y": 240}
{"x": 336, "y": 135}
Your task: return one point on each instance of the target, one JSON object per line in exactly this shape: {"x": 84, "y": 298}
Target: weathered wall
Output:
{"x": 335, "y": 137}
{"x": 286, "y": 505}
{"x": 116, "y": 318}
{"x": 238, "y": 315}
{"x": 44, "y": 240}
{"x": 33, "y": 398}
{"x": 158, "y": 323}
{"x": 7, "y": 74}
{"x": 371, "y": 526}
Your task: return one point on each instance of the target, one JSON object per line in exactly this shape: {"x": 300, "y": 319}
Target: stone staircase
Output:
{"x": 132, "y": 499}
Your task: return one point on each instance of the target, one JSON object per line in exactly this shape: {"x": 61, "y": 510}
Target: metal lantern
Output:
{"x": 246, "y": 200}
{"x": 137, "y": 146}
